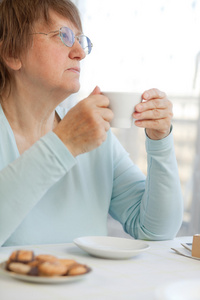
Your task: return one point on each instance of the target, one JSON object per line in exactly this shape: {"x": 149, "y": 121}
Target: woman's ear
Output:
{"x": 13, "y": 63}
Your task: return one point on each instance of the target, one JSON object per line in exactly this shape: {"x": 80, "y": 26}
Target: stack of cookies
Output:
{"x": 27, "y": 263}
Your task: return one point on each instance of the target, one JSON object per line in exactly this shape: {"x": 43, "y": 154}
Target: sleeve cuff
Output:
{"x": 58, "y": 148}
{"x": 165, "y": 143}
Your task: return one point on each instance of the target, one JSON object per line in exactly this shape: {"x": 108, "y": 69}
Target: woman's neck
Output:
{"x": 30, "y": 119}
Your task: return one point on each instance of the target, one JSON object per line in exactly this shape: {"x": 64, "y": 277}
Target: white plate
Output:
{"x": 180, "y": 290}
{"x": 40, "y": 279}
{"x": 111, "y": 247}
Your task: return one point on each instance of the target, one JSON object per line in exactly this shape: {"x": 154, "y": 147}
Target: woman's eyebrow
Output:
{"x": 73, "y": 30}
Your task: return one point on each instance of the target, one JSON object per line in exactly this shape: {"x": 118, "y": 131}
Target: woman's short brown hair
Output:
{"x": 17, "y": 18}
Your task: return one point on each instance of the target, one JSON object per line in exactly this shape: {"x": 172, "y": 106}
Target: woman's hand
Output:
{"x": 154, "y": 114}
{"x": 85, "y": 126}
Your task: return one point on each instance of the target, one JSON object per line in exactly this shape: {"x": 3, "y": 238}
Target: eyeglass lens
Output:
{"x": 68, "y": 38}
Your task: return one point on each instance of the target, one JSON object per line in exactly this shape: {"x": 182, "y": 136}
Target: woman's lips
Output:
{"x": 75, "y": 70}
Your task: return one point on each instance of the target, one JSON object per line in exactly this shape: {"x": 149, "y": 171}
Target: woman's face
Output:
{"x": 49, "y": 66}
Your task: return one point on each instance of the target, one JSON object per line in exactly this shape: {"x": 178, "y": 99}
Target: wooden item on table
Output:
{"x": 196, "y": 246}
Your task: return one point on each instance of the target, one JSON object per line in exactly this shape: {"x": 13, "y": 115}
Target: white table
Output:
{"x": 136, "y": 278}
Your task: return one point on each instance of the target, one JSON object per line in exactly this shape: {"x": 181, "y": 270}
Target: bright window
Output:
{"x": 141, "y": 44}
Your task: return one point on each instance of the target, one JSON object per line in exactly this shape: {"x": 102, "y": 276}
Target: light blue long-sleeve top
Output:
{"x": 48, "y": 196}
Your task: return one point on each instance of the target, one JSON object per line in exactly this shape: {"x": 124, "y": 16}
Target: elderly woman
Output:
{"x": 61, "y": 172}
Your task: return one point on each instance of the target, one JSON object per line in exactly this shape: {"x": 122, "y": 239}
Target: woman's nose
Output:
{"x": 77, "y": 51}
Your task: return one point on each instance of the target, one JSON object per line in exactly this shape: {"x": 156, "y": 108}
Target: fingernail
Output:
{"x": 136, "y": 115}
{"x": 138, "y": 123}
{"x": 139, "y": 108}
{"x": 146, "y": 95}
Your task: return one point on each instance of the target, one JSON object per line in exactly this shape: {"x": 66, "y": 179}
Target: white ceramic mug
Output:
{"x": 123, "y": 105}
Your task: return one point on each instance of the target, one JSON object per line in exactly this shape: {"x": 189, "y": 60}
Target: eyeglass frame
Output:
{"x": 75, "y": 37}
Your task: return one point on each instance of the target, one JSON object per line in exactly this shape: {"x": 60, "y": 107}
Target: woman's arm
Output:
{"x": 152, "y": 208}
{"x": 24, "y": 182}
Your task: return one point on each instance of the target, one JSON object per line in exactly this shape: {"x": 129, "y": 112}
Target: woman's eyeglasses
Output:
{"x": 68, "y": 38}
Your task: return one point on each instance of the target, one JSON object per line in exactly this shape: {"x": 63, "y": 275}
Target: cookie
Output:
{"x": 46, "y": 257}
{"x": 78, "y": 269}
{"x": 34, "y": 271}
{"x": 67, "y": 262}
{"x": 23, "y": 256}
{"x": 54, "y": 268}
{"x": 34, "y": 263}
{"x": 19, "y": 268}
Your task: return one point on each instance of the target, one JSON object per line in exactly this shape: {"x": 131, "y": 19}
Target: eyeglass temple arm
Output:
{"x": 45, "y": 33}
